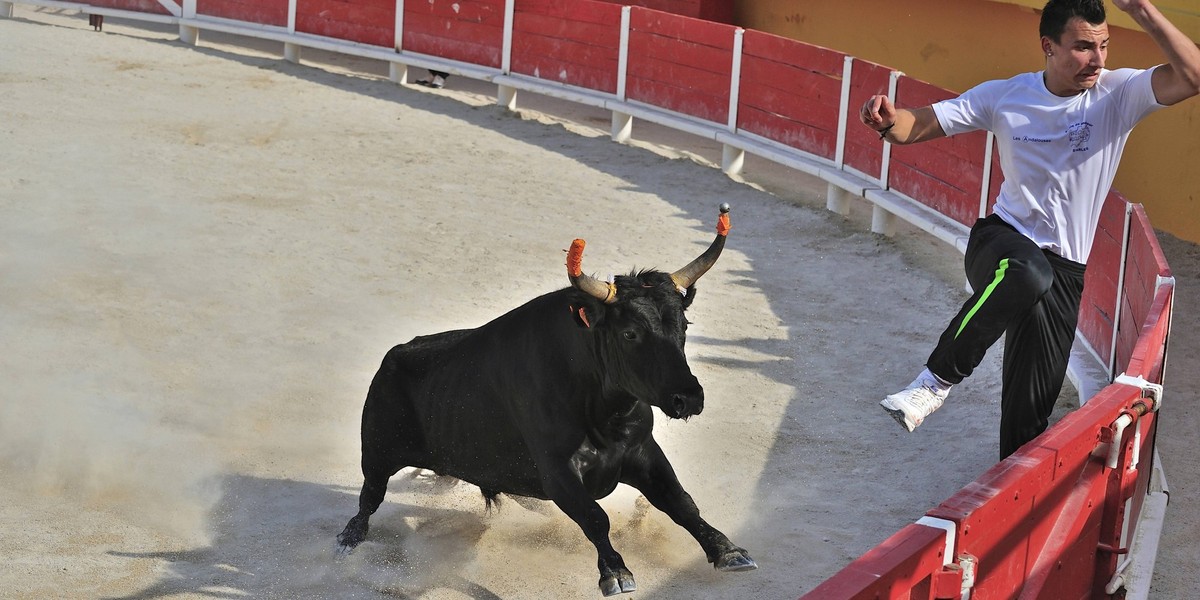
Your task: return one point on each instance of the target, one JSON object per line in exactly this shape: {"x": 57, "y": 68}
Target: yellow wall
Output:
{"x": 956, "y": 44}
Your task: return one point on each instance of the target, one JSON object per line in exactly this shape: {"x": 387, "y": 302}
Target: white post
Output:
{"x": 735, "y": 79}
{"x": 837, "y": 200}
{"x": 188, "y": 34}
{"x": 506, "y": 96}
{"x": 882, "y": 221}
{"x": 985, "y": 188}
{"x": 398, "y": 40}
{"x": 623, "y": 53}
{"x": 398, "y": 73}
{"x": 291, "y": 52}
{"x": 1116, "y": 319}
{"x": 733, "y": 159}
{"x": 843, "y": 110}
{"x": 893, "y": 77}
{"x": 622, "y": 123}
{"x": 6, "y": 10}
{"x": 622, "y": 127}
{"x": 506, "y": 44}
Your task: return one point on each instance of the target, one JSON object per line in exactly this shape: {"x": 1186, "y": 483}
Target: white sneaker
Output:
{"x": 911, "y": 405}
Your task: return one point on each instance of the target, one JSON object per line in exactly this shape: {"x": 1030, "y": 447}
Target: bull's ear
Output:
{"x": 583, "y": 316}
{"x": 689, "y": 297}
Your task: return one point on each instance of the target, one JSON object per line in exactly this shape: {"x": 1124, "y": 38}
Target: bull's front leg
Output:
{"x": 566, "y": 489}
{"x": 651, "y": 473}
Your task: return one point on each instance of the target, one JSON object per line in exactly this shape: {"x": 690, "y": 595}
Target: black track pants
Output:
{"x": 1032, "y": 297}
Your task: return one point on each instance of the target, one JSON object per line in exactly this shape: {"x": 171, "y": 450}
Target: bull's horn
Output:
{"x": 685, "y": 277}
{"x": 605, "y": 292}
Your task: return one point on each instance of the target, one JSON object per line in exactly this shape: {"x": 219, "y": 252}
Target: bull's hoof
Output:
{"x": 350, "y": 537}
{"x": 621, "y": 581}
{"x": 735, "y": 560}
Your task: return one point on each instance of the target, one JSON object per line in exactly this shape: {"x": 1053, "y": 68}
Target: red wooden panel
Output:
{"x": 771, "y": 86}
{"x": 901, "y": 563}
{"x": 693, "y": 79}
{"x": 792, "y": 53}
{"x": 864, "y": 150}
{"x": 469, "y": 11}
{"x": 681, "y": 52}
{"x": 573, "y": 43}
{"x": 941, "y": 195}
{"x": 466, "y": 41}
{"x": 1096, "y": 312}
{"x": 667, "y": 25}
{"x": 143, "y": 6}
{"x": 581, "y": 11}
{"x": 364, "y": 21}
{"x": 1041, "y": 502}
{"x": 264, "y": 12}
{"x": 795, "y": 134}
{"x": 678, "y": 99}
{"x": 569, "y": 53}
{"x": 564, "y": 27}
{"x": 1149, "y": 354}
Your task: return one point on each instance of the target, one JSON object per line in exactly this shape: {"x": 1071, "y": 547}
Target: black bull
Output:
{"x": 553, "y": 401}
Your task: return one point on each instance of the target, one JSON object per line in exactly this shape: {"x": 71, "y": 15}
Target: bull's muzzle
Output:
{"x": 685, "y": 404}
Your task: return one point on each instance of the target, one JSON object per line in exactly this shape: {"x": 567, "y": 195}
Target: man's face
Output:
{"x": 1073, "y": 63}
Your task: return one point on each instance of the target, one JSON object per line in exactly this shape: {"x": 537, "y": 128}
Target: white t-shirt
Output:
{"x": 1058, "y": 155}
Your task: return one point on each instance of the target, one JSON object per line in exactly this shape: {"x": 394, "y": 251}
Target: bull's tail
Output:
{"x": 491, "y": 500}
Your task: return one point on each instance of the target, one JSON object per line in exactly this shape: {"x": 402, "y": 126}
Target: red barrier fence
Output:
{"x": 1052, "y": 521}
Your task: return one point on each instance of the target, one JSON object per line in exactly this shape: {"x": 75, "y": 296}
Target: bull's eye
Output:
{"x": 629, "y": 334}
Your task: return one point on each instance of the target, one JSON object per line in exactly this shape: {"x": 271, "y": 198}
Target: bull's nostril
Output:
{"x": 679, "y": 405}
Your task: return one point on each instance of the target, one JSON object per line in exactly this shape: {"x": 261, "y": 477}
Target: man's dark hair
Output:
{"x": 1056, "y": 13}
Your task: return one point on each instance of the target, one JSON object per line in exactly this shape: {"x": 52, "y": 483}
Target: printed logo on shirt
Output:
{"x": 1078, "y": 135}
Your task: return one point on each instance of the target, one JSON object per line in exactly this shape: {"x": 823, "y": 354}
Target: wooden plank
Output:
{"x": 484, "y": 54}
{"x": 694, "y": 81}
{"x": 678, "y": 52}
{"x": 266, "y": 12}
{"x": 467, "y": 11}
{"x": 142, "y": 6}
{"x": 717, "y": 35}
{"x": 767, "y": 84}
{"x": 935, "y": 193}
{"x": 600, "y": 34}
{"x": 793, "y": 133}
{"x": 792, "y": 53}
{"x": 581, "y": 11}
{"x": 678, "y": 99}
{"x": 549, "y": 50}
{"x": 804, "y": 108}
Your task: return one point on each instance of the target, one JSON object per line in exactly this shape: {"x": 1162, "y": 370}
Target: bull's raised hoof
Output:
{"x": 353, "y": 535}
{"x": 735, "y": 560}
{"x": 618, "y": 582}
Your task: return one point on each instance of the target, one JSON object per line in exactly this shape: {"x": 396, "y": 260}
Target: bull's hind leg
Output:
{"x": 374, "y": 487}
{"x": 652, "y": 474}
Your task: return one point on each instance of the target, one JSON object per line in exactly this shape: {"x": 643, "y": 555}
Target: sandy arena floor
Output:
{"x": 205, "y": 253}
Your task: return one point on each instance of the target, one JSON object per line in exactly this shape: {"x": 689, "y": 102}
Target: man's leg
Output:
{"x": 1036, "y": 352}
{"x": 1008, "y": 275}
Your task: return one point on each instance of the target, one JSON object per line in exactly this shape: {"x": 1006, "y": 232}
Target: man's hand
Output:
{"x": 878, "y": 112}
{"x": 1129, "y": 5}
